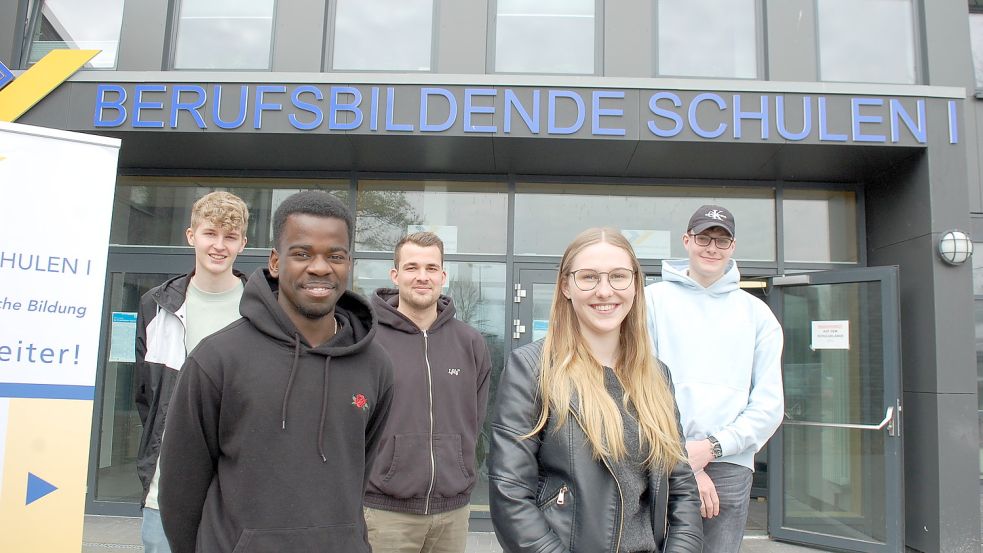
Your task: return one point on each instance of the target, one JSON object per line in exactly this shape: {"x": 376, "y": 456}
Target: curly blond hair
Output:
{"x": 222, "y": 209}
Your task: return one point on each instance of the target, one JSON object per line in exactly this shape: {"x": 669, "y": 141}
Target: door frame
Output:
{"x": 893, "y": 448}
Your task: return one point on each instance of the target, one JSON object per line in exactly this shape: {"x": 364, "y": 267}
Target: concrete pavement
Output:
{"x": 105, "y": 534}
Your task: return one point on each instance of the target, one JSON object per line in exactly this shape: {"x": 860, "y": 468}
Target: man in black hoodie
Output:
{"x": 420, "y": 486}
{"x": 276, "y": 418}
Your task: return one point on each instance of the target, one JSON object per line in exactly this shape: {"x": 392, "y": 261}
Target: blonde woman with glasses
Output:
{"x": 586, "y": 453}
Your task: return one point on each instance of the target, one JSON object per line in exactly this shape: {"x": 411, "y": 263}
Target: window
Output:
{"x": 976, "y": 38}
{"x": 653, "y": 218}
{"x": 708, "y": 38}
{"x": 866, "y": 41}
{"x": 155, "y": 211}
{"x": 90, "y": 25}
{"x": 393, "y": 35}
{"x": 224, "y": 34}
{"x": 469, "y": 217}
{"x": 820, "y": 226}
{"x": 545, "y": 36}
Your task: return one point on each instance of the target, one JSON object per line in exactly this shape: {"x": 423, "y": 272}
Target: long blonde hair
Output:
{"x": 568, "y": 368}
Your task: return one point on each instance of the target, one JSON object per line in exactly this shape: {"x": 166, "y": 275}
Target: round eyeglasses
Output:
{"x": 588, "y": 279}
{"x": 722, "y": 242}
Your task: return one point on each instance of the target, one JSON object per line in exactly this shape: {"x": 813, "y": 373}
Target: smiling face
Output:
{"x": 419, "y": 277}
{"x": 215, "y": 247}
{"x": 600, "y": 311}
{"x": 708, "y": 263}
{"x": 312, "y": 263}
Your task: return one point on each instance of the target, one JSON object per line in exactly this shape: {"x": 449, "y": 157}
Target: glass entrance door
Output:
{"x": 532, "y": 296}
{"x": 113, "y": 486}
{"x": 836, "y": 476}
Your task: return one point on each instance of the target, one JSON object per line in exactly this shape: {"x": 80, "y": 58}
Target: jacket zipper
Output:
{"x": 621, "y": 495}
{"x": 433, "y": 460}
{"x": 621, "y": 512}
{"x": 560, "y": 499}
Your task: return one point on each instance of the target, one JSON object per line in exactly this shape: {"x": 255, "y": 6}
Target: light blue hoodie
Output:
{"x": 723, "y": 347}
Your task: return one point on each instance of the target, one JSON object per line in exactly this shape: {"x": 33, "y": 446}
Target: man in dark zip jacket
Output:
{"x": 420, "y": 486}
{"x": 276, "y": 418}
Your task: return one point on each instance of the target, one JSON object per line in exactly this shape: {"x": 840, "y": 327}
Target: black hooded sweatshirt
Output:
{"x": 426, "y": 463}
{"x": 269, "y": 439}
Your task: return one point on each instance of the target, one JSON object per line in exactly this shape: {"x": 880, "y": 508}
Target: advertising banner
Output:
{"x": 56, "y": 199}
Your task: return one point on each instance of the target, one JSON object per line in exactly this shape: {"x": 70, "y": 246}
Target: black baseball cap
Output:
{"x": 709, "y": 216}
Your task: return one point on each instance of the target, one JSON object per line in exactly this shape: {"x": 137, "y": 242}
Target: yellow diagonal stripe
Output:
{"x": 35, "y": 83}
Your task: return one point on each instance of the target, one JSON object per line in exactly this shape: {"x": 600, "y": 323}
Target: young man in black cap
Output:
{"x": 723, "y": 347}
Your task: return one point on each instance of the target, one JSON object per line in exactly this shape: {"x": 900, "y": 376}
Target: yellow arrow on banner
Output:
{"x": 37, "y": 82}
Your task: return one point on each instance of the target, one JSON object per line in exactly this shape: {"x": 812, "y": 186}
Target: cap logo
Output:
{"x": 715, "y": 214}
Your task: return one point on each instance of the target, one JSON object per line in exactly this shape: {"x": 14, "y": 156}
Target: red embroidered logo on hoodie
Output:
{"x": 358, "y": 400}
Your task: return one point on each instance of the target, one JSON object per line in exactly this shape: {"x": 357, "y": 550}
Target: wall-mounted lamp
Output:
{"x": 955, "y": 247}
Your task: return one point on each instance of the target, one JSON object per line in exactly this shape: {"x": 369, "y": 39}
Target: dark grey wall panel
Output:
{"x": 921, "y": 449}
{"x": 941, "y": 456}
{"x": 948, "y": 58}
{"x": 462, "y": 33}
{"x": 628, "y": 47}
{"x": 791, "y": 40}
{"x": 299, "y": 35}
{"x": 143, "y": 36}
{"x": 974, "y": 146}
{"x": 914, "y": 257}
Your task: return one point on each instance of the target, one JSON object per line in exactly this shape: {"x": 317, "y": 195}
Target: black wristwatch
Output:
{"x": 717, "y": 451}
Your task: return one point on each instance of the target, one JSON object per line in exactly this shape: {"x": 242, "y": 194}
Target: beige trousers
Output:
{"x": 391, "y": 532}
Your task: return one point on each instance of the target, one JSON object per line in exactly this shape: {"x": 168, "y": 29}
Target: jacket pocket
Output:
{"x": 453, "y": 477}
{"x": 558, "y": 510}
{"x": 339, "y": 537}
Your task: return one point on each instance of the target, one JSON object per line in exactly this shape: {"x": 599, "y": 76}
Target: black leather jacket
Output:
{"x": 548, "y": 495}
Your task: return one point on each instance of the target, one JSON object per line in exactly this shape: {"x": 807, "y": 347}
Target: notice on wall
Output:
{"x": 56, "y": 199}
{"x": 830, "y": 335}
{"x": 123, "y": 337}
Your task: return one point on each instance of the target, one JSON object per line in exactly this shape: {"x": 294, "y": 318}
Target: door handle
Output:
{"x": 889, "y": 422}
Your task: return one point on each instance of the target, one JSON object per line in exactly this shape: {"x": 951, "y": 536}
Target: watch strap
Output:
{"x": 716, "y": 449}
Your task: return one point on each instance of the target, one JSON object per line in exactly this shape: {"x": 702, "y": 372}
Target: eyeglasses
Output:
{"x": 703, "y": 240}
{"x": 588, "y": 279}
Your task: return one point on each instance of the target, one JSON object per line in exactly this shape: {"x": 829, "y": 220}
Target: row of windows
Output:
{"x": 857, "y": 40}
{"x": 816, "y": 226}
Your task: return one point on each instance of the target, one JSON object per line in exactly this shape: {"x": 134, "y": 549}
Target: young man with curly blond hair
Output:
{"x": 172, "y": 319}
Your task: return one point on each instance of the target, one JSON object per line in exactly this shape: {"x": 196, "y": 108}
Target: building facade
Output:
{"x": 843, "y": 134}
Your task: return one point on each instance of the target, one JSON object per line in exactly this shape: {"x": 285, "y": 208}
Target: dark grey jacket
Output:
{"x": 427, "y": 460}
{"x": 527, "y": 476}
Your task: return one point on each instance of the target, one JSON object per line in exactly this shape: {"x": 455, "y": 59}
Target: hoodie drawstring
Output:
{"x": 324, "y": 411}
{"x": 290, "y": 382}
{"x": 324, "y": 398}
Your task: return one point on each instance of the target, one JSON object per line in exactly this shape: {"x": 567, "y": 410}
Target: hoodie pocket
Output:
{"x": 412, "y": 469}
{"x": 453, "y": 476}
{"x": 409, "y": 472}
{"x": 340, "y": 537}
